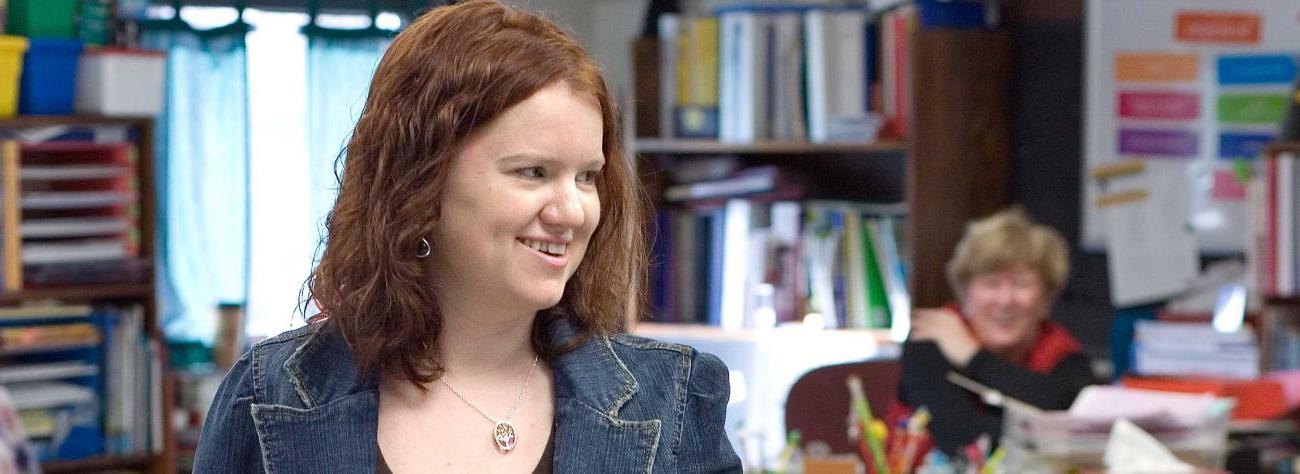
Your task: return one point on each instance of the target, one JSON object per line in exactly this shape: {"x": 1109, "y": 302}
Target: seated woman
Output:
{"x": 1006, "y": 272}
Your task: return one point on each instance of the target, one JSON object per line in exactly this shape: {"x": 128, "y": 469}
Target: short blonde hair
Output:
{"x": 1005, "y": 240}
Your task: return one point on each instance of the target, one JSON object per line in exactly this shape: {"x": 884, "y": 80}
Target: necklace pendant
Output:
{"x": 504, "y": 435}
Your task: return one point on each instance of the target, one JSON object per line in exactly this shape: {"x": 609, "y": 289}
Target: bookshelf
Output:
{"x": 953, "y": 167}
{"x": 787, "y": 148}
{"x": 126, "y": 291}
{"x": 132, "y": 289}
{"x": 102, "y": 463}
{"x": 942, "y": 159}
{"x": 1279, "y": 328}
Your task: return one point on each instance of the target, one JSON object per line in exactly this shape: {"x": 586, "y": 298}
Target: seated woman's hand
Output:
{"x": 945, "y": 328}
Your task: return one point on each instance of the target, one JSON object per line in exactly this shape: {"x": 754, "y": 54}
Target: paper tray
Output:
{"x": 1056, "y": 442}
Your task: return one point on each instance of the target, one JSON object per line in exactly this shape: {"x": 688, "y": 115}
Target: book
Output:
{"x": 79, "y": 250}
{"x": 753, "y": 180}
{"x": 46, "y": 371}
{"x": 1194, "y": 349}
{"x": 1285, "y": 210}
{"x": 21, "y": 337}
{"x": 669, "y": 52}
{"x": 785, "y": 73}
{"x": 76, "y": 199}
{"x": 885, "y": 235}
{"x": 855, "y": 275}
{"x": 74, "y": 227}
{"x": 735, "y": 256}
{"x": 877, "y": 297}
{"x": 76, "y": 172}
{"x": 837, "y": 85}
{"x": 686, "y": 228}
{"x": 785, "y": 269}
{"x": 822, "y": 235}
{"x": 743, "y": 87}
{"x": 713, "y": 273}
{"x": 897, "y": 26}
{"x": 38, "y": 395}
{"x": 44, "y": 310}
{"x": 88, "y": 272}
{"x": 695, "y": 112}
{"x": 950, "y": 14}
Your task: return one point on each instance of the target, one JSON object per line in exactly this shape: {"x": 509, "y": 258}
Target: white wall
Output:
{"x": 605, "y": 27}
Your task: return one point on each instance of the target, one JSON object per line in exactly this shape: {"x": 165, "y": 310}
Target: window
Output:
{"x": 283, "y": 226}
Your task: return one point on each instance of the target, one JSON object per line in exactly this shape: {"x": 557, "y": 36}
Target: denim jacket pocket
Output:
{"x": 596, "y": 442}
{"x": 338, "y": 436}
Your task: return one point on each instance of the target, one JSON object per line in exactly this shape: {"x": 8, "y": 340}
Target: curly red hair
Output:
{"x": 451, "y": 72}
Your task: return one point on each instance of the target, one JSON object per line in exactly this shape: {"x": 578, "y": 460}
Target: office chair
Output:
{"x": 819, "y": 402}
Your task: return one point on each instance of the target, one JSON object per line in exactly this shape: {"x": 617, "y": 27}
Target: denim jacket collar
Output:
{"x": 339, "y": 411}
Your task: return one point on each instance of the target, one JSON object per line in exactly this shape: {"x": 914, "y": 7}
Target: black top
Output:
{"x": 543, "y": 465}
{"x": 959, "y": 416}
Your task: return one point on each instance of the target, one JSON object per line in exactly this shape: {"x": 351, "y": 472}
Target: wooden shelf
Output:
{"x": 1284, "y": 426}
{"x": 45, "y": 348}
{"x": 701, "y": 331}
{"x": 1282, "y": 300}
{"x": 696, "y": 146}
{"x": 22, "y": 121}
{"x": 144, "y": 294}
{"x": 1281, "y": 147}
{"x": 99, "y": 463}
{"x": 80, "y": 292}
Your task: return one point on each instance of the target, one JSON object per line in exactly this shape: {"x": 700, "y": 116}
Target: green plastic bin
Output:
{"x": 43, "y": 18}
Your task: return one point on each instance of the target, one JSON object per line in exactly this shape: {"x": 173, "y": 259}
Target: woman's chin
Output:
{"x": 998, "y": 345}
{"x": 544, "y": 299}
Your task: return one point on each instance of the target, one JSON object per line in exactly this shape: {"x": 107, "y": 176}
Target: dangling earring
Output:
{"x": 425, "y": 249}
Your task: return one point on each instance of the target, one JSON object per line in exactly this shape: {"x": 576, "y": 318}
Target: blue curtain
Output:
{"x": 202, "y": 173}
{"x": 339, "y": 66}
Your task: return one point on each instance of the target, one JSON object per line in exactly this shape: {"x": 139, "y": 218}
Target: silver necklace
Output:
{"x": 503, "y": 433}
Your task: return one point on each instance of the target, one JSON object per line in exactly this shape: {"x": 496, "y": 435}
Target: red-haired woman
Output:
{"x": 480, "y": 258}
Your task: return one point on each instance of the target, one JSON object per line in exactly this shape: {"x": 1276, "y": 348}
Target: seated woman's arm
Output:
{"x": 957, "y": 418}
{"x": 958, "y": 348}
{"x": 1051, "y": 391}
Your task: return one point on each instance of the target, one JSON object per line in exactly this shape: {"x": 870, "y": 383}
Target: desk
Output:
{"x": 764, "y": 364}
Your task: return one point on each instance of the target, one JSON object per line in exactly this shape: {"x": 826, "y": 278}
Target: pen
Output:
{"x": 864, "y": 418}
{"x": 916, "y": 426}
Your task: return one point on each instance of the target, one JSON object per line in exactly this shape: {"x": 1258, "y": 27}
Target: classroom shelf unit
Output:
{"x": 124, "y": 277}
{"x": 953, "y": 166}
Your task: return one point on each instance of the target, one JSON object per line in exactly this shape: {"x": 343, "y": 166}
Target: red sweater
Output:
{"x": 1051, "y": 375}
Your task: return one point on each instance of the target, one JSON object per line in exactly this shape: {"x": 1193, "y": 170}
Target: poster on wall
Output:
{"x": 1195, "y": 89}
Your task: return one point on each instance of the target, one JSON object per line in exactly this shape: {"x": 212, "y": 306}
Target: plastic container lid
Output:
{"x": 10, "y": 43}
{"x": 56, "y": 45}
{"x": 125, "y": 52}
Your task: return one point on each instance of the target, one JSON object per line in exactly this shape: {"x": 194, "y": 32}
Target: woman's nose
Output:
{"x": 1006, "y": 293}
{"x": 564, "y": 208}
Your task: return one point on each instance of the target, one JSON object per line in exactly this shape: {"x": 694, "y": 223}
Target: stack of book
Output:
{"x": 1178, "y": 349}
{"x": 71, "y": 214}
{"x": 83, "y": 379}
{"x": 1274, "y": 215}
{"x": 730, "y": 252}
{"x": 782, "y": 73}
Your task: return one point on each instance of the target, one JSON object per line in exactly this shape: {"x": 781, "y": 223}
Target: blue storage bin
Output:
{"x": 49, "y": 77}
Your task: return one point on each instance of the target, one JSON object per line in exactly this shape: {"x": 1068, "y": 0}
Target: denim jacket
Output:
{"x": 295, "y": 403}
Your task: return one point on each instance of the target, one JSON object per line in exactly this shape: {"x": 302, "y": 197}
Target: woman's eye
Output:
{"x": 588, "y": 177}
{"x": 533, "y": 172}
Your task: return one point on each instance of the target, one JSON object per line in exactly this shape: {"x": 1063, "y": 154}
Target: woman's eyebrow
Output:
{"x": 597, "y": 162}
